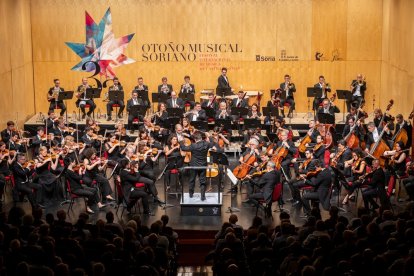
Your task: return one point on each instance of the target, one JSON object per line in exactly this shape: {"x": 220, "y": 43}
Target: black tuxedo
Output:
{"x": 36, "y": 143}
{"x": 131, "y": 117}
{"x": 332, "y": 110}
{"x": 266, "y": 184}
{"x": 56, "y": 103}
{"x": 288, "y": 98}
{"x": 5, "y": 135}
{"x": 132, "y": 193}
{"x": 198, "y": 158}
{"x": 226, "y": 117}
{"x": 90, "y": 142}
{"x": 13, "y": 146}
{"x": 317, "y": 100}
{"x": 223, "y": 82}
{"x": 170, "y": 89}
{"x": 213, "y": 105}
{"x": 356, "y": 131}
{"x": 201, "y": 116}
{"x": 179, "y": 102}
{"x": 322, "y": 184}
{"x": 409, "y": 129}
{"x": 376, "y": 187}
{"x": 145, "y": 89}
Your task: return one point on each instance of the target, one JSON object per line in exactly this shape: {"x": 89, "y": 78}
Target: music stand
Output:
{"x": 225, "y": 123}
{"x": 223, "y": 92}
{"x": 239, "y": 111}
{"x": 251, "y": 124}
{"x": 344, "y": 95}
{"x": 171, "y": 122}
{"x": 143, "y": 95}
{"x": 138, "y": 111}
{"x": 93, "y": 93}
{"x": 200, "y": 125}
{"x": 187, "y": 97}
{"x": 64, "y": 96}
{"x": 210, "y": 112}
{"x": 175, "y": 112}
{"x": 326, "y": 118}
{"x": 272, "y": 137}
{"x": 312, "y": 92}
{"x": 115, "y": 96}
{"x": 341, "y": 179}
{"x": 159, "y": 98}
{"x": 270, "y": 112}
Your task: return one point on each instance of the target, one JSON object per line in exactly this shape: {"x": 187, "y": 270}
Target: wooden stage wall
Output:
{"x": 370, "y": 37}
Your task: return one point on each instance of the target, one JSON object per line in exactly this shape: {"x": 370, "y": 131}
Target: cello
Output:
{"x": 378, "y": 148}
{"x": 352, "y": 141}
{"x": 278, "y": 156}
{"x": 242, "y": 170}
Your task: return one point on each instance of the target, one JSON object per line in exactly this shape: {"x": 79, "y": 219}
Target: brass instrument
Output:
{"x": 81, "y": 92}
{"x": 55, "y": 94}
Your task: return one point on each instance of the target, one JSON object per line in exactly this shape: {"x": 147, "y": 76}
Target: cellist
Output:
{"x": 290, "y": 146}
{"x": 406, "y": 125}
{"x": 374, "y": 135}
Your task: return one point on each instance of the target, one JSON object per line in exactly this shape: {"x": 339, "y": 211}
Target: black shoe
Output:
{"x": 290, "y": 199}
{"x": 203, "y": 192}
{"x": 109, "y": 118}
{"x": 83, "y": 116}
{"x": 159, "y": 201}
{"x": 246, "y": 201}
{"x": 119, "y": 116}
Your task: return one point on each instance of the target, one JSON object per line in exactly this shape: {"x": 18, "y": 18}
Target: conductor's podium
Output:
{"x": 195, "y": 207}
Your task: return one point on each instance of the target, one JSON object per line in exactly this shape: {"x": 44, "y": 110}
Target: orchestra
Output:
{"x": 361, "y": 156}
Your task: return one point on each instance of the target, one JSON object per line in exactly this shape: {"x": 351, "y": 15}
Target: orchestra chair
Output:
{"x": 187, "y": 106}
{"x": 327, "y": 158}
{"x": 399, "y": 180}
{"x": 73, "y": 197}
{"x": 288, "y": 106}
{"x": 276, "y": 197}
{"x": 9, "y": 179}
{"x": 121, "y": 200}
{"x": 88, "y": 106}
{"x": 173, "y": 172}
{"x": 116, "y": 109}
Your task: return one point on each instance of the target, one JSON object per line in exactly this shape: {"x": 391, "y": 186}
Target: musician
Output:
{"x": 50, "y": 121}
{"x": 254, "y": 112}
{"x": 164, "y": 87}
{"x": 114, "y": 148}
{"x": 134, "y": 101}
{"x": 161, "y": 116}
{"x": 23, "y": 183}
{"x": 319, "y": 149}
{"x": 89, "y": 139}
{"x": 147, "y": 161}
{"x": 374, "y": 135}
{"x": 223, "y": 112}
{"x": 220, "y": 141}
{"x": 142, "y": 88}
{"x": 174, "y": 101}
{"x": 198, "y": 151}
{"x": 252, "y": 149}
{"x": 266, "y": 185}
{"x": 343, "y": 154}
{"x": 60, "y": 132}
{"x": 211, "y": 102}
{"x": 95, "y": 168}
{"x": 223, "y": 81}
{"x": 321, "y": 184}
{"x": 289, "y": 88}
{"x": 328, "y": 107}
{"x": 274, "y": 103}
{"x": 197, "y": 114}
{"x": 378, "y": 117}
{"x": 40, "y": 140}
{"x": 313, "y": 132}
{"x": 16, "y": 144}
{"x": 397, "y": 164}
{"x": 131, "y": 191}
{"x": 301, "y": 170}
{"x": 408, "y": 183}
{"x": 82, "y": 100}
{"x": 358, "y": 87}
{"x": 6, "y": 133}
{"x": 179, "y": 132}
{"x": 5, "y": 162}
{"x": 358, "y": 167}
{"x": 52, "y": 97}
{"x": 240, "y": 101}
{"x": 76, "y": 187}
{"x": 321, "y": 85}
{"x": 290, "y": 146}
{"x": 356, "y": 129}
{"x": 150, "y": 184}
{"x": 174, "y": 156}
{"x": 73, "y": 150}
{"x": 44, "y": 165}
{"x": 402, "y": 124}
{"x": 356, "y": 113}
{"x": 253, "y": 134}
{"x": 376, "y": 187}
{"x": 115, "y": 87}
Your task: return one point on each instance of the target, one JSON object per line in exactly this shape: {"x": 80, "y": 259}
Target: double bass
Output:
{"x": 401, "y": 134}
{"x": 378, "y": 148}
{"x": 306, "y": 140}
{"x": 352, "y": 141}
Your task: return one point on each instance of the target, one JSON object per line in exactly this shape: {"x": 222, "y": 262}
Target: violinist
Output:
{"x": 319, "y": 149}
{"x": 5, "y": 162}
{"x": 81, "y": 190}
{"x": 115, "y": 87}
{"x": 197, "y": 114}
{"x": 50, "y": 121}
{"x": 279, "y": 127}
{"x": 90, "y": 139}
{"x": 181, "y": 133}
{"x": 16, "y": 144}
{"x": 342, "y": 155}
{"x": 254, "y": 112}
{"x": 376, "y": 187}
{"x": 44, "y": 165}
{"x": 142, "y": 88}
{"x": 147, "y": 157}
{"x": 53, "y": 95}
{"x": 82, "y": 100}
{"x": 288, "y": 88}
{"x": 186, "y": 89}
{"x": 397, "y": 164}
{"x": 199, "y": 151}
{"x": 24, "y": 184}
{"x": 321, "y": 183}
{"x": 60, "y": 132}
{"x": 210, "y": 103}
{"x": 95, "y": 168}
{"x": 149, "y": 184}
{"x": 266, "y": 185}
{"x": 408, "y": 182}
{"x": 240, "y": 101}
{"x": 308, "y": 165}
{"x": 132, "y": 192}
{"x": 358, "y": 87}
{"x": 164, "y": 87}
{"x": 223, "y": 112}
{"x": 358, "y": 167}
{"x": 134, "y": 101}
{"x": 406, "y": 125}
{"x": 6, "y": 133}
{"x": 114, "y": 148}
{"x": 40, "y": 140}
{"x": 90, "y": 122}
{"x": 174, "y": 157}
{"x": 73, "y": 150}
{"x": 324, "y": 86}
{"x": 143, "y": 138}
{"x": 147, "y": 127}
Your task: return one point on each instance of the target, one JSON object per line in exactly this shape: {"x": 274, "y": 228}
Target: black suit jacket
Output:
{"x": 128, "y": 181}
{"x": 50, "y": 92}
{"x": 185, "y": 90}
{"x": 362, "y": 89}
{"x": 370, "y": 138}
{"x": 291, "y": 90}
{"x": 242, "y": 104}
{"x": 291, "y": 150}
{"x": 214, "y": 105}
{"x": 198, "y": 152}
{"x": 130, "y": 103}
{"x": 21, "y": 176}
{"x": 347, "y": 129}
{"x": 227, "y": 117}
{"x": 222, "y": 83}
{"x": 179, "y": 102}
{"x": 144, "y": 86}
{"x": 267, "y": 183}
{"x": 5, "y": 136}
{"x": 318, "y": 86}
{"x": 170, "y": 89}
{"x": 201, "y": 116}
{"x": 120, "y": 88}
{"x": 409, "y": 129}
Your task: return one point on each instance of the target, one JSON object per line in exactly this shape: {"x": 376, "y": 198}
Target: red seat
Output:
{"x": 286, "y": 104}
{"x": 187, "y": 104}
{"x": 116, "y": 105}
{"x": 73, "y": 197}
{"x": 139, "y": 185}
{"x": 87, "y": 106}
{"x": 210, "y": 120}
{"x": 136, "y": 120}
{"x": 327, "y": 158}
{"x": 174, "y": 171}
{"x": 390, "y": 186}
{"x": 276, "y": 194}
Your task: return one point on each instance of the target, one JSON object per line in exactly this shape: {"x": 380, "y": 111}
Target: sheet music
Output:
{"x": 231, "y": 176}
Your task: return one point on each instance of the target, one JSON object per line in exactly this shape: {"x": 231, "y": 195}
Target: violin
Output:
{"x": 338, "y": 155}
{"x": 317, "y": 147}
{"x": 29, "y": 164}
{"x": 79, "y": 167}
{"x": 313, "y": 173}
